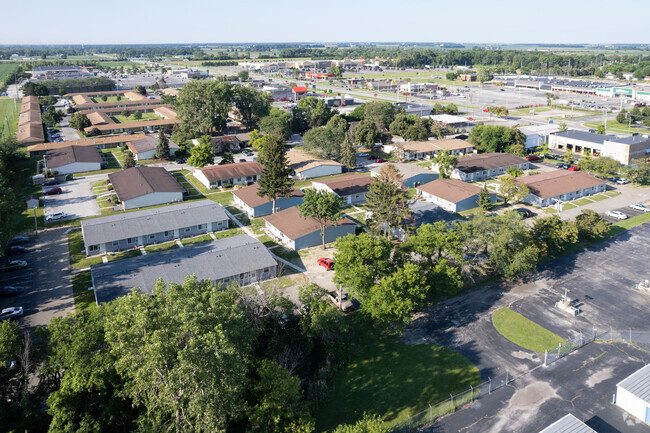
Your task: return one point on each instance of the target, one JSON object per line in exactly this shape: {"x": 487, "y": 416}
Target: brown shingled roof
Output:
{"x": 166, "y": 112}
{"x": 451, "y": 190}
{"x": 132, "y": 125}
{"x": 138, "y": 181}
{"x": 347, "y": 184}
{"x": 215, "y": 173}
{"x": 294, "y": 226}
{"x": 118, "y": 110}
{"x": 249, "y": 195}
{"x": 71, "y": 154}
{"x": 95, "y": 141}
{"x": 30, "y": 106}
{"x": 30, "y": 133}
{"x": 488, "y": 161}
{"x": 554, "y": 183}
{"x": 29, "y": 116}
{"x": 300, "y": 161}
{"x": 99, "y": 118}
{"x": 122, "y": 103}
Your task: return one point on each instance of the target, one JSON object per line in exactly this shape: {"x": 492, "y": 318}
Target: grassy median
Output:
{"x": 524, "y": 332}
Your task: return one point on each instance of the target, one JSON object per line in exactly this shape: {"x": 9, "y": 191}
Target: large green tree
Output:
{"x": 348, "y": 155}
{"x": 324, "y": 141}
{"x": 386, "y": 201}
{"x": 366, "y": 134}
{"x": 276, "y": 178}
{"x": 445, "y": 163}
{"x": 310, "y": 112}
{"x": 591, "y": 225}
{"x": 162, "y": 148}
{"x": 511, "y": 189}
{"x": 278, "y": 122}
{"x": 495, "y": 138}
{"x": 251, "y": 104}
{"x": 552, "y": 234}
{"x": 79, "y": 121}
{"x": 203, "y": 106}
{"x": 323, "y": 206}
{"x": 381, "y": 113}
{"x": 201, "y": 154}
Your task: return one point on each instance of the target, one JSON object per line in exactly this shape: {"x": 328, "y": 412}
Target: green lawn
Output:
{"x": 632, "y": 222}
{"x": 161, "y": 247}
{"x": 228, "y": 233}
{"x": 524, "y": 332}
{"x": 78, "y": 259}
{"x": 83, "y": 298}
{"x": 9, "y": 111}
{"x": 145, "y": 116}
{"x": 612, "y": 193}
{"x": 599, "y": 197}
{"x": 112, "y": 159}
{"x": 100, "y": 100}
{"x": 581, "y": 202}
{"x": 613, "y": 126}
{"x": 258, "y": 224}
{"x": 134, "y": 252}
{"x": 223, "y": 198}
{"x": 392, "y": 379}
{"x": 196, "y": 240}
{"x": 567, "y": 206}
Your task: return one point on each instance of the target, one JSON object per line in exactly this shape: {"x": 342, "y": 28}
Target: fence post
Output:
{"x": 630, "y": 335}
{"x": 490, "y": 385}
{"x": 545, "y": 356}
{"x": 430, "y": 412}
{"x": 453, "y": 409}
{"x": 471, "y": 397}
{"x": 558, "y": 349}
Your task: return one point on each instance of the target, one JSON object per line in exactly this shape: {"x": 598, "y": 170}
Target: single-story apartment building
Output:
{"x": 633, "y": 394}
{"x": 107, "y": 142}
{"x": 297, "y": 232}
{"x": 412, "y": 174}
{"x": 421, "y": 212}
{"x": 452, "y": 195}
{"x": 352, "y": 188}
{"x": 30, "y": 133}
{"x": 239, "y": 173}
{"x": 414, "y": 150}
{"x": 568, "y": 424}
{"x": 239, "y": 259}
{"x": 307, "y": 166}
{"x": 74, "y": 159}
{"x": 560, "y": 185}
{"x": 145, "y": 148}
{"x": 127, "y": 230}
{"x": 255, "y": 206}
{"x": 113, "y": 128}
{"x": 145, "y": 186}
{"x": 230, "y": 142}
{"x": 485, "y": 165}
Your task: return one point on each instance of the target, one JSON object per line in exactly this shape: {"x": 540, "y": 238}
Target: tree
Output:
{"x": 399, "y": 125}
{"x": 638, "y": 171}
{"x": 380, "y": 113}
{"x": 310, "y": 112}
{"x": 484, "y": 201}
{"x": 483, "y": 75}
{"x": 562, "y": 127}
{"x": 591, "y": 225}
{"x": 278, "y": 123}
{"x": 621, "y": 117}
{"x": 324, "y": 141}
{"x": 494, "y": 138}
{"x": 203, "y": 106}
{"x": 276, "y": 178}
{"x": 366, "y": 134}
{"x": 227, "y": 158}
{"x": 510, "y": 189}
{"x": 335, "y": 70}
{"x": 52, "y": 116}
{"x": 162, "y": 149}
{"x": 550, "y": 97}
{"x": 635, "y": 114}
{"x": 386, "y": 201}
{"x": 600, "y": 129}
{"x": 79, "y": 121}
{"x": 552, "y": 234}
{"x": 367, "y": 424}
{"x": 323, "y": 206}
{"x": 445, "y": 163}
{"x": 201, "y": 154}
{"x": 251, "y": 104}
{"x": 337, "y": 122}
{"x": 184, "y": 352}
{"x": 137, "y": 115}
{"x": 243, "y": 75}
{"x": 140, "y": 89}
{"x": 568, "y": 157}
{"x": 129, "y": 161}
{"x": 34, "y": 89}
{"x": 419, "y": 131}
{"x": 126, "y": 113}
{"x": 348, "y": 155}
{"x": 515, "y": 171}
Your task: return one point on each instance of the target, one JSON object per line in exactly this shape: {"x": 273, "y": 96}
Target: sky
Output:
{"x": 204, "y": 21}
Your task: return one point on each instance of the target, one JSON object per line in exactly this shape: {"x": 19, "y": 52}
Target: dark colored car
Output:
{"x": 525, "y": 213}
{"x": 14, "y": 250}
{"x": 181, "y": 161}
{"x": 51, "y": 183}
{"x": 326, "y": 263}
{"x": 10, "y": 291}
{"x": 532, "y": 158}
{"x": 371, "y": 157}
{"x": 18, "y": 240}
{"x": 53, "y": 191}
{"x": 13, "y": 265}
{"x": 381, "y": 160}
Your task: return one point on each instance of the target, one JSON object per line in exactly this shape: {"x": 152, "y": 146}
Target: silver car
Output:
{"x": 55, "y": 216}
{"x": 640, "y": 207}
{"x": 11, "y": 313}
{"x": 616, "y": 214}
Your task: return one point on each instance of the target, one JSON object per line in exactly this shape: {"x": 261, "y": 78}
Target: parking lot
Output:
{"x": 46, "y": 280}
{"x": 76, "y": 201}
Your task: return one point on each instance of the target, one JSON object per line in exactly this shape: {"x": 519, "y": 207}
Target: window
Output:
{"x": 219, "y": 223}
{"x": 167, "y": 233}
{"x": 93, "y": 248}
{"x": 187, "y": 229}
{"x": 200, "y": 227}
{"x": 152, "y": 236}
{"x": 131, "y": 240}
{"x": 116, "y": 243}
{"x": 356, "y": 196}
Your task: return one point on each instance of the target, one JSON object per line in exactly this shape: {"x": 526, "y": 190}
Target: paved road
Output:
{"x": 48, "y": 288}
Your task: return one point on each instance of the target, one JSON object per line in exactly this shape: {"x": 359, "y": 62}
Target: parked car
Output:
{"x": 614, "y": 178}
{"x": 623, "y": 181}
{"x": 574, "y": 168}
{"x": 559, "y": 165}
{"x": 344, "y": 303}
{"x": 247, "y": 153}
{"x": 532, "y": 158}
{"x": 19, "y": 240}
{"x": 616, "y": 214}
{"x": 13, "y": 265}
{"x": 14, "y": 250}
{"x": 181, "y": 161}
{"x": 55, "y": 216}
{"x": 58, "y": 140}
{"x": 11, "y": 313}
{"x": 362, "y": 154}
{"x": 53, "y": 191}
{"x": 371, "y": 157}
{"x": 525, "y": 213}
{"x": 51, "y": 182}
{"x": 242, "y": 160}
{"x": 10, "y": 291}
{"x": 326, "y": 263}
{"x": 640, "y": 207}
{"x": 381, "y": 160}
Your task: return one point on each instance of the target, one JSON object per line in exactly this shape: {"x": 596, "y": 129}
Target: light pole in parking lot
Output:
{"x": 35, "y": 219}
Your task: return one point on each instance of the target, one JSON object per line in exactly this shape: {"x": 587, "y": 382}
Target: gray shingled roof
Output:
{"x": 214, "y": 261}
{"x": 638, "y": 384}
{"x": 149, "y": 221}
{"x": 568, "y": 424}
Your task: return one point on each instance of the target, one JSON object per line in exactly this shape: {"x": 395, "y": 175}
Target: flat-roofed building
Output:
{"x": 138, "y": 187}
{"x": 451, "y": 194}
{"x": 239, "y": 173}
{"x": 485, "y": 165}
{"x": 127, "y": 230}
{"x": 238, "y": 259}
{"x": 74, "y": 159}
{"x": 548, "y": 188}
{"x": 633, "y": 394}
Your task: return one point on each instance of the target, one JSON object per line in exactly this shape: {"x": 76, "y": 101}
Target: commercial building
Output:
{"x": 568, "y": 424}
{"x": 239, "y": 259}
{"x": 560, "y": 185}
{"x": 413, "y": 175}
{"x": 128, "y": 230}
{"x": 418, "y": 87}
{"x": 352, "y": 188}
{"x": 409, "y": 108}
{"x": 279, "y": 93}
{"x": 633, "y": 394}
{"x": 448, "y": 119}
{"x": 338, "y": 101}
{"x": 624, "y": 149}
{"x": 255, "y": 206}
{"x": 296, "y": 232}
{"x": 145, "y": 148}
{"x": 299, "y": 93}
{"x": 451, "y": 194}
{"x": 74, "y": 159}
{"x": 485, "y": 165}
{"x": 61, "y": 72}
{"x": 537, "y": 135}
{"x": 240, "y": 173}
{"x": 138, "y": 187}
{"x": 307, "y": 166}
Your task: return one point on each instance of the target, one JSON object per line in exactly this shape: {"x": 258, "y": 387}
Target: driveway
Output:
{"x": 46, "y": 281}
{"x": 76, "y": 201}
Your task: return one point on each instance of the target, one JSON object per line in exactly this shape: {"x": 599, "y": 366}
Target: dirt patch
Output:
{"x": 599, "y": 376}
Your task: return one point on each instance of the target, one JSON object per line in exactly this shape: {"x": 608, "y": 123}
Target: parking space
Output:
{"x": 627, "y": 211}
{"x": 76, "y": 201}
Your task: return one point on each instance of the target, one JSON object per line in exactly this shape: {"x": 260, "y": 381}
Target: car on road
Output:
{"x": 19, "y": 240}
{"x": 10, "y": 291}
{"x": 51, "y": 183}
{"x": 11, "y": 313}
{"x": 640, "y": 207}
{"x": 326, "y": 263}
{"x": 623, "y": 181}
{"x": 14, "y": 250}
{"x": 13, "y": 265}
{"x": 574, "y": 168}
{"x": 525, "y": 213}
{"x": 532, "y": 158}
{"x": 55, "y": 216}
{"x": 616, "y": 214}
{"x": 53, "y": 191}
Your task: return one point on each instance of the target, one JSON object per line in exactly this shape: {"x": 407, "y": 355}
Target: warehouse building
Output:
{"x": 633, "y": 394}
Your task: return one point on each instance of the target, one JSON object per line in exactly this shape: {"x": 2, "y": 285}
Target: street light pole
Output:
{"x": 35, "y": 220}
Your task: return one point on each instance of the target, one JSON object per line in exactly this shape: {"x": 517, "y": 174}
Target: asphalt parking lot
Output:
{"x": 46, "y": 280}
{"x": 76, "y": 201}
{"x": 626, "y": 210}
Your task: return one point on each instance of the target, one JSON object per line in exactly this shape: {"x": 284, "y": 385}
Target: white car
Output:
{"x": 640, "y": 207}
{"x": 616, "y": 214}
{"x": 623, "y": 181}
{"x": 55, "y": 216}
{"x": 11, "y": 312}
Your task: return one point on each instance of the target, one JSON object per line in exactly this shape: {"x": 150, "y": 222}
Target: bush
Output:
{"x": 226, "y": 186}
{"x": 124, "y": 148}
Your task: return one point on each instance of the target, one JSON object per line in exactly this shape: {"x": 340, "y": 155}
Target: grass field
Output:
{"x": 614, "y": 126}
{"x": 78, "y": 259}
{"x": 6, "y": 69}
{"x": 392, "y": 379}
{"x": 524, "y": 332}
{"x": 83, "y": 298}
{"x": 161, "y": 247}
{"x": 100, "y": 100}
{"x": 9, "y": 111}
{"x": 145, "y": 116}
